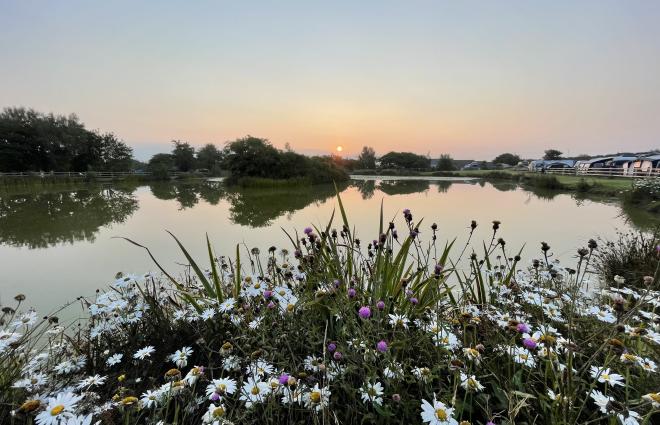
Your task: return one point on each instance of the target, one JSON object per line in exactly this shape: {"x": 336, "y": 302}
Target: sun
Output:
{"x": 340, "y": 148}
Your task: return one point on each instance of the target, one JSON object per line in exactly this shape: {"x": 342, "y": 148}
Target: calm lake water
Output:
{"x": 57, "y": 244}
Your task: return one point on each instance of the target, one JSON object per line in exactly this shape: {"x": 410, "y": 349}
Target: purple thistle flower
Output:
{"x": 215, "y": 396}
{"x": 332, "y": 347}
{"x": 351, "y": 293}
{"x": 284, "y": 379}
{"x": 529, "y": 343}
{"x": 337, "y": 356}
{"x": 490, "y": 423}
{"x": 381, "y": 346}
{"x": 406, "y": 211}
{"x": 268, "y": 293}
{"x": 364, "y": 312}
{"x": 380, "y": 305}
{"x": 271, "y": 305}
{"x": 522, "y": 328}
{"x": 308, "y": 230}
{"x": 414, "y": 300}
{"x": 337, "y": 283}
{"x": 438, "y": 268}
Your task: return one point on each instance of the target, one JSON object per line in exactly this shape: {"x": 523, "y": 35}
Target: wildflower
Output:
{"x": 332, "y": 347}
{"x": 523, "y": 356}
{"x": 180, "y": 357}
{"x": 254, "y": 392}
{"x": 284, "y": 379}
{"x": 437, "y": 413}
{"x": 446, "y": 340}
{"x": 601, "y": 400}
{"x": 114, "y": 359}
{"x": 193, "y": 375}
{"x": 143, "y": 353}
{"x": 91, "y": 381}
{"x": 654, "y": 398}
{"x": 398, "y": 320}
{"x": 380, "y": 305}
{"x": 351, "y": 293}
{"x": 317, "y": 398}
{"x": 414, "y": 301}
{"x": 523, "y": 328}
{"x": 261, "y": 368}
{"x": 372, "y": 393}
{"x": 214, "y": 415}
{"x": 221, "y": 387}
{"x": 604, "y": 376}
{"x": 150, "y": 399}
{"x": 364, "y": 312}
{"x": 630, "y": 418}
{"x": 337, "y": 355}
{"x": 393, "y": 371}
{"x": 472, "y": 354}
{"x": 529, "y": 343}
{"x": 422, "y": 373}
{"x": 129, "y": 401}
{"x": 553, "y": 396}
{"x": 312, "y": 363}
{"x": 381, "y": 346}
{"x": 647, "y": 364}
{"x": 227, "y": 305}
{"x": 470, "y": 383}
{"x": 58, "y": 409}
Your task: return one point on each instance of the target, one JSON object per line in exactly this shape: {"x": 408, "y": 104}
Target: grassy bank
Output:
{"x": 333, "y": 330}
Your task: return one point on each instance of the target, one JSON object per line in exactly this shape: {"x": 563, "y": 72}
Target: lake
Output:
{"x": 59, "y": 243}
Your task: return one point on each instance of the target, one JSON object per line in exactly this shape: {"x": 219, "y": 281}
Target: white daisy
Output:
{"x": 143, "y": 353}
{"x": 437, "y": 413}
{"x": 221, "y": 387}
{"x": 58, "y": 409}
{"x": 372, "y": 393}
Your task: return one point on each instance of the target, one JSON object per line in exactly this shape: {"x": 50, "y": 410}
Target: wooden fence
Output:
{"x": 98, "y": 175}
{"x": 604, "y": 172}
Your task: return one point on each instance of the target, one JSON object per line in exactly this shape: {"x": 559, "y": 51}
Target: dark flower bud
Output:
{"x": 473, "y": 225}
{"x": 496, "y": 224}
{"x": 545, "y": 247}
{"x": 592, "y": 244}
{"x": 434, "y": 227}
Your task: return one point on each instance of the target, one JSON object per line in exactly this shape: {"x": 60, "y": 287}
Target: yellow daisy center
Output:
{"x": 218, "y": 412}
{"x": 254, "y": 390}
{"x": 441, "y": 414}
{"x": 315, "y": 397}
{"x": 221, "y": 388}
{"x": 57, "y": 410}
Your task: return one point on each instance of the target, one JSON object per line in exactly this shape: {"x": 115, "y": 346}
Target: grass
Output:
{"x": 337, "y": 329}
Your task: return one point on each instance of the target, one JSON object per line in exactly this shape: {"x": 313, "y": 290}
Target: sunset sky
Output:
{"x": 472, "y": 79}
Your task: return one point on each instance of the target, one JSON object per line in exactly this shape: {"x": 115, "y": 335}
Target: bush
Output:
{"x": 632, "y": 255}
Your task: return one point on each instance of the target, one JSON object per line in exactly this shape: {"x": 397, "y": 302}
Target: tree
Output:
{"x": 210, "y": 158}
{"x": 507, "y": 158}
{"x": 552, "y": 154}
{"x": 404, "y": 160}
{"x": 445, "y": 163}
{"x": 255, "y": 157}
{"x": 115, "y": 155}
{"x": 184, "y": 155}
{"x": 367, "y": 158}
{"x": 33, "y": 141}
{"x": 160, "y": 165}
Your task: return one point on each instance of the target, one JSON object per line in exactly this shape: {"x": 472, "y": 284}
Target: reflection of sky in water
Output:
{"x": 52, "y": 274}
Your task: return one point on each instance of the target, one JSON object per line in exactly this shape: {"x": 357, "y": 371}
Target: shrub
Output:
{"x": 632, "y": 255}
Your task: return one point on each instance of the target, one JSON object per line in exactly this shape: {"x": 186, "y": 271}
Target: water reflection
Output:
{"x": 42, "y": 219}
{"x": 258, "y": 207}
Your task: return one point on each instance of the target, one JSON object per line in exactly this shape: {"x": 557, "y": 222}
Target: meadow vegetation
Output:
{"x": 393, "y": 326}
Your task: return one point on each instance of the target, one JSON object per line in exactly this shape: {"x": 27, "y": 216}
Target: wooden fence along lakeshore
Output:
{"x": 91, "y": 175}
{"x": 603, "y": 172}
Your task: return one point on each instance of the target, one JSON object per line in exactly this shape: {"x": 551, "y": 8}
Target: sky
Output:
{"x": 472, "y": 79}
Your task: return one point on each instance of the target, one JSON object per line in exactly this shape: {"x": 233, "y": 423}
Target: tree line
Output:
{"x": 33, "y": 141}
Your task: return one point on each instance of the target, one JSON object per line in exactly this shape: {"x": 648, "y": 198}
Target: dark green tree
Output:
{"x": 367, "y": 158}
{"x": 406, "y": 160}
{"x": 508, "y": 158}
{"x": 552, "y": 154}
{"x": 210, "y": 158}
{"x": 445, "y": 163}
{"x": 184, "y": 155}
{"x": 160, "y": 165}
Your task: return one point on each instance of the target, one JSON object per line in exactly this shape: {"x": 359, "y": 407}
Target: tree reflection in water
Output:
{"x": 46, "y": 218}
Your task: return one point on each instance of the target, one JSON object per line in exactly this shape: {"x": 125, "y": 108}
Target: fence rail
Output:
{"x": 604, "y": 172}
{"x": 84, "y": 175}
